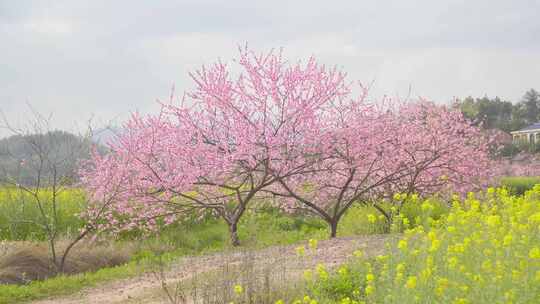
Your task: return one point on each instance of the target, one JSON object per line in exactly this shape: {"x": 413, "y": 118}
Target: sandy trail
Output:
{"x": 146, "y": 288}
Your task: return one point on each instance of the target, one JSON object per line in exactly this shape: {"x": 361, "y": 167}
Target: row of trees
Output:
{"x": 503, "y": 115}
{"x": 288, "y": 134}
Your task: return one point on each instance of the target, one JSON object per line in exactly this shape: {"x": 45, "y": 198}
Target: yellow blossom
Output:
{"x": 300, "y": 251}
{"x": 369, "y": 290}
{"x": 461, "y": 301}
{"x": 534, "y": 253}
{"x": 238, "y": 289}
{"x": 402, "y": 244}
{"x": 507, "y": 240}
{"x": 493, "y": 220}
{"x": 313, "y": 244}
{"x": 411, "y": 282}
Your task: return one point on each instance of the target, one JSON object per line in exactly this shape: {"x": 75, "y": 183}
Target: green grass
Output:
{"x": 518, "y": 185}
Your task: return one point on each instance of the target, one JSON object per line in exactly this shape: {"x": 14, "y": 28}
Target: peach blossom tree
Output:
{"x": 372, "y": 153}
{"x": 215, "y": 148}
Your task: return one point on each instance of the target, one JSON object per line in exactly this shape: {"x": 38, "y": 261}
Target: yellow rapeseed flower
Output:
{"x": 435, "y": 245}
{"x": 452, "y": 262}
{"x": 442, "y": 285}
{"x": 402, "y": 244}
{"x": 369, "y": 290}
{"x": 461, "y": 301}
{"x": 411, "y": 282}
{"x": 358, "y": 253}
{"x": 426, "y": 206}
{"x": 534, "y": 253}
{"x": 238, "y": 289}
{"x": 406, "y": 222}
{"x": 313, "y": 244}
{"x": 300, "y": 251}
{"x": 507, "y": 240}
{"x": 493, "y": 220}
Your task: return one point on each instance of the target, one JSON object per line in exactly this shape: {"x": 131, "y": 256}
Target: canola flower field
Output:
{"x": 485, "y": 250}
{"x": 20, "y": 214}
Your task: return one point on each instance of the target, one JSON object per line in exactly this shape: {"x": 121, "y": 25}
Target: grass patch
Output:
{"x": 518, "y": 185}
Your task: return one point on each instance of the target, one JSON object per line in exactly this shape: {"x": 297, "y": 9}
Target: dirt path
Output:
{"x": 146, "y": 288}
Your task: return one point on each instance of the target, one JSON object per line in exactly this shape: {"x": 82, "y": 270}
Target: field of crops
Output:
{"x": 485, "y": 250}
{"x": 19, "y": 213}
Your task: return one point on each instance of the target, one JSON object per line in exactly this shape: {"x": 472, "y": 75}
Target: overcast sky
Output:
{"x": 76, "y": 59}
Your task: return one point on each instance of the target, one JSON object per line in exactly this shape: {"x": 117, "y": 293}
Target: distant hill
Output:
{"x": 29, "y": 159}
{"x": 105, "y": 136}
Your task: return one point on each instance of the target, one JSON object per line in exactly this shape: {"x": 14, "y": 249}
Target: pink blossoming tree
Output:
{"x": 440, "y": 152}
{"x": 412, "y": 148}
{"x": 215, "y": 149}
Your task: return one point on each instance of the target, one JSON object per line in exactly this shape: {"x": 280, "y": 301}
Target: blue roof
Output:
{"x": 531, "y": 127}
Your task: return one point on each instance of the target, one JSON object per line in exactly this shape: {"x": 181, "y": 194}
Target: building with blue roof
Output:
{"x": 529, "y": 134}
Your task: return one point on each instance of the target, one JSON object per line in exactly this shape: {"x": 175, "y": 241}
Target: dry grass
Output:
{"x": 262, "y": 278}
{"x": 21, "y": 263}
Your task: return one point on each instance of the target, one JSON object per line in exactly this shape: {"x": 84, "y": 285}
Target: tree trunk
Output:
{"x": 70, "y": 246}
{"x": 233, "y": 233}
{"x": 333, "y": 228}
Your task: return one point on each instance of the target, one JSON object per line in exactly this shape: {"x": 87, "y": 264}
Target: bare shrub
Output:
{"x": 40, "y": 163}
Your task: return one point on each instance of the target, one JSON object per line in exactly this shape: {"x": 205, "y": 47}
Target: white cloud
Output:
{"x": 48, "y": 26}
